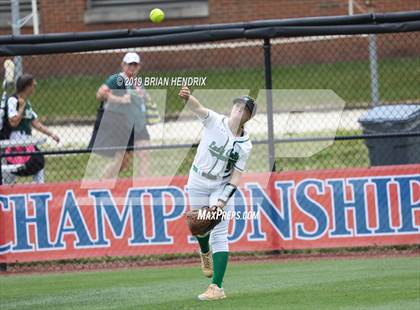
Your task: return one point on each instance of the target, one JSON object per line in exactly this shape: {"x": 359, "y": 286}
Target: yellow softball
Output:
{"x": 157, "y": 15}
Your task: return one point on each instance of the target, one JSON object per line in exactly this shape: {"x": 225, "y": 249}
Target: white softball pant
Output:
{"x": 205, "y": 192}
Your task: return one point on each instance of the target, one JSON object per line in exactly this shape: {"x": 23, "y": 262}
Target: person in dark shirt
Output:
{"x": 121, "y": 120}
{"x": 22, "y": 118}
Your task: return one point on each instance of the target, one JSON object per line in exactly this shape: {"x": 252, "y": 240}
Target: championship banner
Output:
{"x": 288, "y": 210}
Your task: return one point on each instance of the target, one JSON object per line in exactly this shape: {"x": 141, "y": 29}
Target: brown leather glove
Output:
{"x": 201, "y": 221}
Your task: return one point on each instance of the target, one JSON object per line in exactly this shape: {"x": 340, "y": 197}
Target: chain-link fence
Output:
{"x": 321, "y": 88}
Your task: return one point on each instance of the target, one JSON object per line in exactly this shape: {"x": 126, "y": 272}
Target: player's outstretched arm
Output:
{"x": 45, "y": 130}
{"x": 192, "y": 103}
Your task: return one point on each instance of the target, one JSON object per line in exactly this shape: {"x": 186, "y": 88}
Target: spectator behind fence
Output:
{"x": 121, "y": 120}
{"x": 22, "y": 118}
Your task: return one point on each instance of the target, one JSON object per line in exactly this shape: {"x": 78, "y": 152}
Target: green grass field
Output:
{"x": 73, "y": 97}
{"x": 379, "y": 283}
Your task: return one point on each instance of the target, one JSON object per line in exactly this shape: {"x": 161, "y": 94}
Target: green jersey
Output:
{"x": 25, "y": 125}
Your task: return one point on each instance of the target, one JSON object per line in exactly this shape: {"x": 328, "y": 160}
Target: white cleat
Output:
{"x": 213, "y": 292}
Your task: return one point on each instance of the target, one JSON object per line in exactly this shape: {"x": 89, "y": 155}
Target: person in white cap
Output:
{"x": 121, "y": 120}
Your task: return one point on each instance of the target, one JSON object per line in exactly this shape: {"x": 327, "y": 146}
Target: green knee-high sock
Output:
{"x": 204, "y": 243}
{"x": 220, "y": 260}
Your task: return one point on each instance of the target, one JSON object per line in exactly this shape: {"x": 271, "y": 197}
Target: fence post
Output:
{"x": 269, "y": 97}
{"x": 374, "y": 75}
{"x": 16, "y": 31}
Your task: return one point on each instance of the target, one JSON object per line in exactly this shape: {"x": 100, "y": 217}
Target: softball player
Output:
{"x": 22, "y": 118}
{"x": 214, "y": 177}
